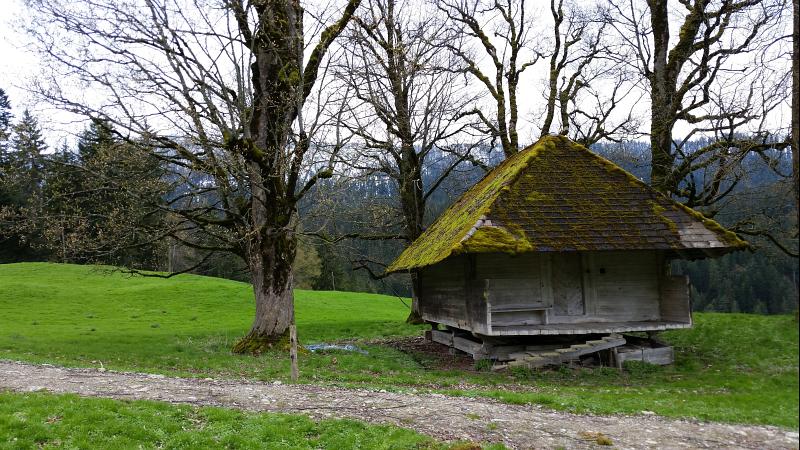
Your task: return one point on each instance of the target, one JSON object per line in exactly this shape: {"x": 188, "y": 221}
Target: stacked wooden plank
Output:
{"x": 565, "y": 354}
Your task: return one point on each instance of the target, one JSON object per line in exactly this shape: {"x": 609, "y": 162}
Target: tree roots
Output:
{"x": 414, "y": 318}
{"x": 255, "y": 344}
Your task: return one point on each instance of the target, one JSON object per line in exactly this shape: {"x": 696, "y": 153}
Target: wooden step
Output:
{"x": 564, "y": 354}
{"x": 578, "y": 347}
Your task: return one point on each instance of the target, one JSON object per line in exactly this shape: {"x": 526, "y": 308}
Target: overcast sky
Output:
{"x": 18, "y": 66}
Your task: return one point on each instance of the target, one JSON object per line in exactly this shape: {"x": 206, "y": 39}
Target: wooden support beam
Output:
{"x": 468, "y": 346}
{"x": 442, "y": 337}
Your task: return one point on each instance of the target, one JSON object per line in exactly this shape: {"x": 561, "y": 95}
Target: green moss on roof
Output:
{"x": 556, "y": 195}
{"x": 726, "y": 235}
{"x": 443, "y": 237}
{"x": 659, "y": 210}
{"x": 494, "y": 239}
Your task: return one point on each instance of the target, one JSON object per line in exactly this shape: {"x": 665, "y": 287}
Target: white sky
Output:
{"x": 18, "y": 66}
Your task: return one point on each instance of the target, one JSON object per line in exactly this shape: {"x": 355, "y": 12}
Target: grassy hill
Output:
{"x": 82, "y": 315}
{"x": 729, "y": 367}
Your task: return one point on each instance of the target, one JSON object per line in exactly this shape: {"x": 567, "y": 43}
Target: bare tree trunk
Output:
{"x": 661, "y": 150}
{"x": 214, "y": 97}
{"x": 413, "y": 205}
{"x": 661, "y": 89}
{"x": 796, "y": 102}
{"x": 272, "y": 244}
{"x": 270, "y": 260}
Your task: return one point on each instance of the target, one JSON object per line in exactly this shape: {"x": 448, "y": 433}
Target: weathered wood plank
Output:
{"x": 587, "y": 328}
{"x": 516, "y": 319}
{"x": 467, "y": 345}
{"x": 517, "y": 307}
{"x": 626, "y": 286}
{"x": 503, "y": 353}
{"x": 675, "y": 299}
{"x": 500, "y": 265}
{"x": 658, "y": 355}
{"x": 503, "y": 291}
{"x": 442, "y": 337}
{"x": 443, "y": 292}
{"x": 567, "y": 285}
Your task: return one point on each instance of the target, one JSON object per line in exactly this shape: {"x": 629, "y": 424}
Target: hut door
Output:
{"x": 567, "y": 279}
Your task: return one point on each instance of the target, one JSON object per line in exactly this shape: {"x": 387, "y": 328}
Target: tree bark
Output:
{"x": 661, "y": 96}
{"x": 270, "y": 260}
{"x": 796, "y": 102}
{"x": 413, "y": 205}
{"x": 412, "y": 202}
{"x": 271, "y": 244}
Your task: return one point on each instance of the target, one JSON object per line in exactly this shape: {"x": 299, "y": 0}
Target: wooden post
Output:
{"x": 293, "y": 349}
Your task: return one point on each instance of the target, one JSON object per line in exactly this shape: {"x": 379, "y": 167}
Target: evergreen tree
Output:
{"x": 28, "y": 146}
{"x": 5, "y": 123}
{"x": 22, "y": 173}
{"x": 99, "y": 200}
{"x": 100, "y": 134}
{"x": 62, "y": 174}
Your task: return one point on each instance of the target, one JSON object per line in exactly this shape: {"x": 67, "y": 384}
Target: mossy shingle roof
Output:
{"x": 558, "y": 196}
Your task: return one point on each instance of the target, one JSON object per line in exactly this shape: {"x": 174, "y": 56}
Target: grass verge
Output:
{"x": 38, "y": 420}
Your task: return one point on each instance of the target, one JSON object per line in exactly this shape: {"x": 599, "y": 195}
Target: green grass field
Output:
{"x": 729, "y": 367}
{"x": 68, "y": 421}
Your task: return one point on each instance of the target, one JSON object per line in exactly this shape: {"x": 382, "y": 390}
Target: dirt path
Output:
{"x": 439, "y": 416}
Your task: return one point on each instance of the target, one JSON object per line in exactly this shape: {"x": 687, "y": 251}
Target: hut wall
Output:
{"x": 624, "y": 286}
{"x": 444, "y": 295}
{"x": 484, "y": 293}
{"x": 675, "y": 305}
{"x": 514, "y": 288}
{"x": 567, "y": 285}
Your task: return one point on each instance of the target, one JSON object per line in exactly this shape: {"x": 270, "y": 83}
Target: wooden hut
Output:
{"x": 557, "y": 240}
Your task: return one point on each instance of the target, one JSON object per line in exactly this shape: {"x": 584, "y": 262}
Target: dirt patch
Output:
{"x": 439, "y": 416}
{"x": 431, "y": 355}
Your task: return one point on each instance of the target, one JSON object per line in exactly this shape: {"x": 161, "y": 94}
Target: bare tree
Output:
{"x": 584, "y": 83}
{"x": 218, "y": 88}
{"x": 710, "y": 76}
{"x": 405, "y": 105}
{"x": 497, "y": 30}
